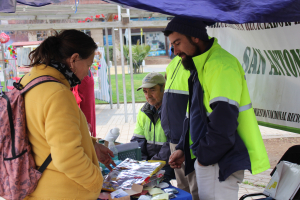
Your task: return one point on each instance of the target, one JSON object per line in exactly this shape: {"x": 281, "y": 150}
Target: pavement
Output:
{"x": 107, "y": 118}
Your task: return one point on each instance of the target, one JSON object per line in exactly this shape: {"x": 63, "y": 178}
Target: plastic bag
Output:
{"x": 156, "y": 179}
{"x": 171, "y": 190}
{"x": 145, "y": 197}
{"x": 129, "y": 172}
{"x": 172, "y": 196}
{"x": 284, "y": 182}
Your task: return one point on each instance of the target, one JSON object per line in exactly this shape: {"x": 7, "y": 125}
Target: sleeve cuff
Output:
{"x": 94, "y": 140}
{"x": 178, "y": 147}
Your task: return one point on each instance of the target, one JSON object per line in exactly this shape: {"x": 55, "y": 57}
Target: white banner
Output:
{"x": 270, "y": 56}
{"x": 101, "y": 79}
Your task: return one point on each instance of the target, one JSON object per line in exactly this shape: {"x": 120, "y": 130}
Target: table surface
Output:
{"x": 182, "y": 195}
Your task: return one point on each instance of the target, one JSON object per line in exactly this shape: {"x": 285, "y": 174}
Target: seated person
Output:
{"x": 148, "y": 131}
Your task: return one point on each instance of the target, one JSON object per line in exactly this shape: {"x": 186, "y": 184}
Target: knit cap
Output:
{"x": 190, "y": 27}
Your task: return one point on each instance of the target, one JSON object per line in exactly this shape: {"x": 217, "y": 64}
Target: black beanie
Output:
{"x": 189, "y": 27}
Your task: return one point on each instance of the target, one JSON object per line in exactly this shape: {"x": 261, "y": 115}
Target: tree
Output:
{"x": 139, "y": 53}
{"x": 111, "y": 52}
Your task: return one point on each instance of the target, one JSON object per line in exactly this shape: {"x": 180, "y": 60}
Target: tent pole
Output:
{"x": 131, "y": 70}
{"x": 123, "y": 68}
{"x": 131, "y": 75}
{"x": 115, "y": 63}
{"x": 108, "y": 68}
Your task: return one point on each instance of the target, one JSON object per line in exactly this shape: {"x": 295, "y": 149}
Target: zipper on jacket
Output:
{"x": 176, "y": 69}
{"x": 154, "y": 136}
{"x": 194, "y": 78}
{"x": 167, "y": 110}
{"x": 154, "y": 131}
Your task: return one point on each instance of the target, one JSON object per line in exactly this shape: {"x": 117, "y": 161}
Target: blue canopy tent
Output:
{"x": 231, "y": 11}
{"x": 9, "y": 6}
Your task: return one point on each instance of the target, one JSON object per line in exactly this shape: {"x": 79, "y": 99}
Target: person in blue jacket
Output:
{"x": 220, "y": 137}
{"x": 173, "y": 112}
{"x": 148, "y": 131}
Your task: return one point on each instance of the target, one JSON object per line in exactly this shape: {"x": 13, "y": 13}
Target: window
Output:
{"x": 41, "y": 35}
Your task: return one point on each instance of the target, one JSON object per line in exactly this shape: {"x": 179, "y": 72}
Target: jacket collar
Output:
{"x": 200, "y": 60}
{"x": 148, "y": 110}
{"x": 43, "y": 70}
{"x": 64, "y": 69}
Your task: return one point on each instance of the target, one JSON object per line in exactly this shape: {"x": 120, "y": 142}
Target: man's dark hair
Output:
{"x": 188, "y": 26}
{"x": 167, "y": 32}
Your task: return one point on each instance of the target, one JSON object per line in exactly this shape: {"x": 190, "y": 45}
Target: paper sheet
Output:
{"x": 155, "y": 191}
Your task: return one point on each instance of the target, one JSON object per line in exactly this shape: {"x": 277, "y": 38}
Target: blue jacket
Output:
{"x": 217, "y": 140}
{"x": 175, "y": 100}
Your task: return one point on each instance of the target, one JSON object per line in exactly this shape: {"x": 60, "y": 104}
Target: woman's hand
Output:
{"x": 104, "y": 155}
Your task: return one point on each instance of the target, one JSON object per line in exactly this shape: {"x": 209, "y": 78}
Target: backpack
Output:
{"x": 18, "y": 173}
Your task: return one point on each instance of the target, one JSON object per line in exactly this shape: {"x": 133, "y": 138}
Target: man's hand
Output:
{"x": 104, "y": 155}
{"x": 176, "y": 159}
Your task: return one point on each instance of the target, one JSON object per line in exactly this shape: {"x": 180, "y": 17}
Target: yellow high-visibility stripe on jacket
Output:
{"x": 217, "y": 70}
{"x": 175, "y": 100}
{"x": 175, "y": 73}
{"x": 154, "y": 134}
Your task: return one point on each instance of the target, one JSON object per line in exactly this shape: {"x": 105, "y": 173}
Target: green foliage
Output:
{"x": 139, "y": 53}
{"x": 248, "y": 183}
{"x": 260, "y": 185}
{"x": 126, "y": 52}
{"x": 137, "y": 81}
{"x": 255, "y": 185}
{"x": 111, "y": 52}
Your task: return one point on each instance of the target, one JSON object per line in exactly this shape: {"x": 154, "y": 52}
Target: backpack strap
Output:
{"x": 29, "y": 86}
{"x": 35, "y": 82}
{"x": 11, "y": 124}
{"x": 45, "y": 164}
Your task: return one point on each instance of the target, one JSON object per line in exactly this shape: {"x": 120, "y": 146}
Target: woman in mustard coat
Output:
{"x": 55, "y": 123}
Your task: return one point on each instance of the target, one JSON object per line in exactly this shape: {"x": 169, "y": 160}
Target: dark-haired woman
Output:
{"x": 55, "y": 123}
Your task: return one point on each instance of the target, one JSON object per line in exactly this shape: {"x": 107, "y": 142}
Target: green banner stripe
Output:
{"x": 284, "y": 128}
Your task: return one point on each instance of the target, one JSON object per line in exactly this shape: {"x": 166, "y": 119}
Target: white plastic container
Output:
{"x": 112, "y": 147}
{"x": 114, "y": 133}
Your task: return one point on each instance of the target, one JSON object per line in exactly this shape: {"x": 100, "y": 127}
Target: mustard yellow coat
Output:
{"x": 56, "y": 125}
